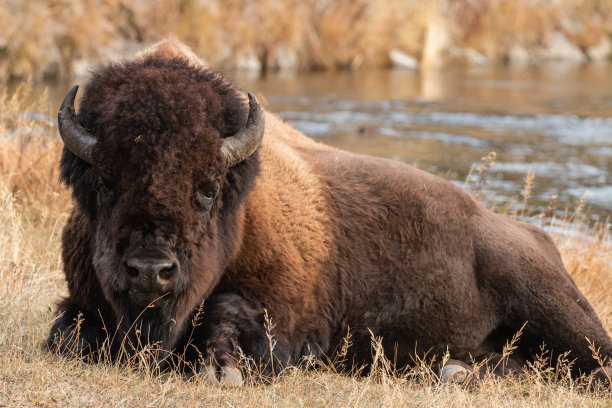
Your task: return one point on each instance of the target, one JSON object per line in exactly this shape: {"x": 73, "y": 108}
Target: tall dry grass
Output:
{"x": 495, "y": 26}
{"x": 51, "y": 38}
{"x": 33, "y": 208}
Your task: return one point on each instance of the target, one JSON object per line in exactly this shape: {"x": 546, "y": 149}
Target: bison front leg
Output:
{"x": 232, "y": 329}
{"x": 76, "y": 333}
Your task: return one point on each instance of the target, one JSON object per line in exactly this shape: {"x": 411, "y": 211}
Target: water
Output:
{"x": 555, "y": 120}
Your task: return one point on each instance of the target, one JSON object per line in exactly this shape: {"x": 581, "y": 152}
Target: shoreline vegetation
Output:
{"x": 33, "y": 209}
{"x": 50, "y": 39}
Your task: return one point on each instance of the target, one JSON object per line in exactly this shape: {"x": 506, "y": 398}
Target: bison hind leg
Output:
{"x": 560, "y": 320}
{"x": 498, "y": 365}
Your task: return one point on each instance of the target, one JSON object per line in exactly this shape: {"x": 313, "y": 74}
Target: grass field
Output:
{"x": 33, "y": 209}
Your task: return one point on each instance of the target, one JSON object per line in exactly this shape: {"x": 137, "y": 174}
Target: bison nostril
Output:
{"x": 131, "y": 271}
{"x": 145, "y": 270}
{"x": 167, "y": 271}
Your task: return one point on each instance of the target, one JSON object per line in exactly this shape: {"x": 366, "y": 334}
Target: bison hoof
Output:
{"x": 454, "y": 372}
{"x": 229, "y": 376}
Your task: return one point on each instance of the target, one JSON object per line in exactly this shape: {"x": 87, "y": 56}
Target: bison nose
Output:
{"x": 151, "y": 273}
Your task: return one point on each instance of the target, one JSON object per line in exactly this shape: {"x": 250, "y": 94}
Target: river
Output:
{"x": 554, "y": 119}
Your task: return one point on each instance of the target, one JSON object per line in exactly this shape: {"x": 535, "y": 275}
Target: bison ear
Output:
{"x": 75, "y": 137}
{"x": 237, "y": 148}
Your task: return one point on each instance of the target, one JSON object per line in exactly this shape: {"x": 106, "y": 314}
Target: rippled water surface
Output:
{"x": 554, "y": 119}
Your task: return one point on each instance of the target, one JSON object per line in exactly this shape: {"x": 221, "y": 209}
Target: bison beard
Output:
{"x": 189, "y": 231}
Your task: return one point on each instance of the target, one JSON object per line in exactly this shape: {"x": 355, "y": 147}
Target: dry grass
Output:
{"x": 50, "y": 38}
{"x": 33, "y": 208}
{"x": 494, "y": 27}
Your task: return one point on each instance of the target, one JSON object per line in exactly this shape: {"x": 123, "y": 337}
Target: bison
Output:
{"x": 198, "y": 216}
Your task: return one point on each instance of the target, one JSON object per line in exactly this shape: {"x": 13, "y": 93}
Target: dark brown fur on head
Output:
{"x": 159, "y": 124}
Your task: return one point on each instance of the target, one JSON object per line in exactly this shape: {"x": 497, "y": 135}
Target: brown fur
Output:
{"x": 318, "y": 238}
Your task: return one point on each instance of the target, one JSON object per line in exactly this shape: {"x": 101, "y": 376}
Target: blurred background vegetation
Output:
{"x": 50, "y": 39}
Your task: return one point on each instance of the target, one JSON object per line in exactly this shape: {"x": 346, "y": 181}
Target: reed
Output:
{"x": 50, "y": 39}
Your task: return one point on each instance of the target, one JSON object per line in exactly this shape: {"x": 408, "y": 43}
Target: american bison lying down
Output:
{"x": 189, "y": 196}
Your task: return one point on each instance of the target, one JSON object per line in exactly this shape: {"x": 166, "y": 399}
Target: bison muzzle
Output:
{"x": 198, "y": 217}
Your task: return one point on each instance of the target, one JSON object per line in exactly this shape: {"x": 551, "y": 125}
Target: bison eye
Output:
{"x": 205, "y": 197}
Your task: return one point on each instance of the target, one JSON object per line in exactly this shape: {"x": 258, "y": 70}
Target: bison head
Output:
{"x": 160, "y": 158}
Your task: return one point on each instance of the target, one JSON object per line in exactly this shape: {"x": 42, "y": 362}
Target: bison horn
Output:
{"x": 244, "y": 143}
{"x": 75, "y": 137}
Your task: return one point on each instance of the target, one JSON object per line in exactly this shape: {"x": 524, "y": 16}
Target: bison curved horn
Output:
{"x": 244, "y": 143}
{"x": 75, "y": 137}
